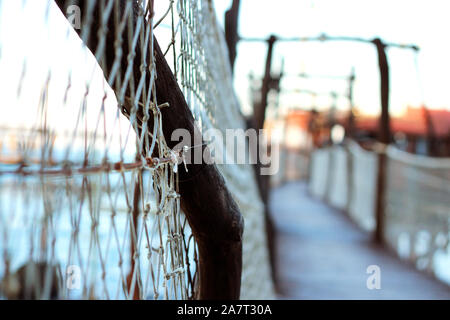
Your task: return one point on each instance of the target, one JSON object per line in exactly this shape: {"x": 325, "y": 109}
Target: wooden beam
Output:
{"x": 351, "y": 117}
{"x": 431, "y": 134}
{"x": 350, "y": 135}
{"x": 384, "y": 135}
{"x": 324, "y": 37}
{"x": 260, "y": 108}
{"x": 384, "y": 138}
{"x": 232, "y": 30}
{"x": 213, "y": 215}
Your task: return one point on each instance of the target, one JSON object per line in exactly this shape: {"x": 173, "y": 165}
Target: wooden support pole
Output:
{"x": 231, "y": 30}
{"x": 384, "y": 139}
{"x": 331, "y": 155}
{"x": 137, "y": 198}
{"x": 351, "y": 115}
{"x": 213, "y": 215}
{"x": 263, "y": 181}
{"x": 431, "y": 134}
{"x": 350, "y": 136}
{"x": 260, "y": 108}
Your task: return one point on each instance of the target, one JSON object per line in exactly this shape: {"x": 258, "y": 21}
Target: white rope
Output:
{"x": 419, "y": 161}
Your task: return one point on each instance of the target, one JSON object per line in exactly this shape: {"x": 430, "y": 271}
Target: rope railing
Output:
{"x": 417, "y": 219}
{"x": 98, "y": 216}
{"x": 325, "y": 37}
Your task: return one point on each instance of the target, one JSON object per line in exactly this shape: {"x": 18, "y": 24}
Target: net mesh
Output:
{"x": 89, "y": 206}
{"x": 418, "y": 210}
{"x": 201, "y": 64}
{"x": 417, "y": 216}
{"x": 364, "y": 166}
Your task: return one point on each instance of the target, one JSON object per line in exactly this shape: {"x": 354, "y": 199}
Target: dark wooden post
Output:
{"x": 259, "y": 115}
{"x": 331, "y": 157}
{"x": 351, "y": 115}
{"x": 350, "y": 136}
{"x": 260, "y": 108}
{"x": 213, "y": 215}
{"x": 133, "y": 237}
{"x": 431, "y": 135}
{"x": 231, "y": 30}
{"x": 384, "y": 138}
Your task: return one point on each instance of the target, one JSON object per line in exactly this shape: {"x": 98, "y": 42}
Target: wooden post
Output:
{"x": 231, "y": 30}
{"x": 133, "y": 237}
{"x": 260, "y": 108}
{"x": 213, "y": 215}
{"x": 384, "y": 139}
{"x": 331, "y": 157}
{"x": 351, "y": 116}
{"x": 350, "y": 176}
{"x": 259, "y": 115}
{"x": 350, "y": 136}
{"x": 431, "y": 135}
{"x": 332, "y": 115}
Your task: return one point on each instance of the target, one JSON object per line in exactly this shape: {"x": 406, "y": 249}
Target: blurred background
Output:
{"x": 355, "y": 94}
{"x": 415, "y": 78}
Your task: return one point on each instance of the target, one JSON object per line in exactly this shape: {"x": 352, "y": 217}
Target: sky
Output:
{"x": 415, "y": 79}
{"x": 44, "y": 56}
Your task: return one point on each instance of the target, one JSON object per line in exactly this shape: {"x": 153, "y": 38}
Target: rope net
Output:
{"x": 417, "y": 201}
{"x": 418, "y": 210}
{"x": 89, "y": 203}
{"x": 198, "y": 50}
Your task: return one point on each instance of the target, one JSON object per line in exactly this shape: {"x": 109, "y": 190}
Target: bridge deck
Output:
{"x": 322, "y": 255}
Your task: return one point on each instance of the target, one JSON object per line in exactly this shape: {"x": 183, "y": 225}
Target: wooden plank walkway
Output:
{"x": 322, "y": 255}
